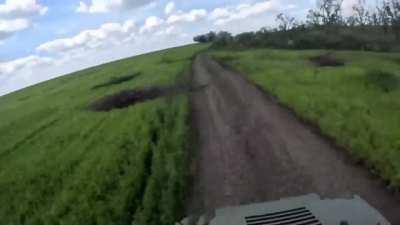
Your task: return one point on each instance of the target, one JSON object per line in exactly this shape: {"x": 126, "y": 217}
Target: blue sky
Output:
{"x": 43, "y": 39}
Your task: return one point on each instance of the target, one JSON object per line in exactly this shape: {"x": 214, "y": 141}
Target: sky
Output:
{"x": 44, "y": 39}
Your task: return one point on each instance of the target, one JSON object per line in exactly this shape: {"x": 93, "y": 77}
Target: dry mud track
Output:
{"x": 250, "y": 149}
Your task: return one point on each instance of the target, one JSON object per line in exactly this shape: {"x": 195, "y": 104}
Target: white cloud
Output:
{"x": 243, "y": 11}
{"x": 99, "y": 6}
{"x": 15, "y": 15}
{"x": 151, "y": 24}
{"x": 191, "y": 16}
{"x": 171, "y": 30}
{"x": 108, "y": 34}
{"x": 104, "y": 6}
{"x": 169, "y": 8}
{"x": 82, "y": 8}
{"x": 219, "y": 13}
{"x": 9, "y": 27}
{"x": 23, "y": 63}
{"x": 347, "y": 6}
{"x": 13, "y": 25}
{"x": 21, "y": 8}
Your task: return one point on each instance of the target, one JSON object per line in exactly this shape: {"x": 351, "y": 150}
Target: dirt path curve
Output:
{"x": 253, "y": 150}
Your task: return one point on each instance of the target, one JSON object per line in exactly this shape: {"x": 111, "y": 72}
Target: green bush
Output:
{"x": 385, "y": 81}
{"x": 321, "y": 37}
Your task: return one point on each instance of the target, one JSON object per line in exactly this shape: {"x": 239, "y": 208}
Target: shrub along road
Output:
{"x": 251, "y": 149}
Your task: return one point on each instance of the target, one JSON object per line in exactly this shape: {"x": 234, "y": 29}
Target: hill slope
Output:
{"x": 63, "y": 163}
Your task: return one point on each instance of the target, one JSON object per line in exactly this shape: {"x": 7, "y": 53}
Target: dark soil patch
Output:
{"x": 327, "y": 59}
{"x": 127, "y": 98}
{"x": 117, "y": 80}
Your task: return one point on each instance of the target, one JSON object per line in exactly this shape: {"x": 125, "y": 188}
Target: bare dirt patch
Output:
{"x": 251, "y": 149}
{"x": 127, "y": 98}
{"x": 327, "y": 59}
{"x": 117, "y": 80}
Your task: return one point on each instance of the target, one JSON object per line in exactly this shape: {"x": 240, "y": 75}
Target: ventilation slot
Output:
{"x": 298, "y": 216}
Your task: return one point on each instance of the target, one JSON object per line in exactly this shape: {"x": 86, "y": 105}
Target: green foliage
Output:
{"x": 338, "y": 37}
{"x": 356, "y": 104}
{"x": 384, "y": 80}
{"x": 63, "y": 164}
{"x": 372, "y": 29}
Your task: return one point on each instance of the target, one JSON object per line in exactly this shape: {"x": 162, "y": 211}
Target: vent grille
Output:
{"x": 298, "y": 216}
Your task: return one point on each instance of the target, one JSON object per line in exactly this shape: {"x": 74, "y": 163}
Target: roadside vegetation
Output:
{"x": 370, "y": 27}
{"x": 62, "y": 163}
{"x": 355, "y": 103}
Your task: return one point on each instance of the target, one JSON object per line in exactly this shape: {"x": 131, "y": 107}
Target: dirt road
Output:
{"x": 253, "y": 150}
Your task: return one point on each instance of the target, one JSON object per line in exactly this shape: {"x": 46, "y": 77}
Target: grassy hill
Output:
{"x": 355, "y": 102}
{"x": 63, "y": 163}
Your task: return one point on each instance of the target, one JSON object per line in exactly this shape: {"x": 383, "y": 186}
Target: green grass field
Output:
{"x": 61, "y": 163}
{"x": 357, "y": 104}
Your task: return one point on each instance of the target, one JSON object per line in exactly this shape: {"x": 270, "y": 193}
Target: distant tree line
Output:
{"x": 376, "y": 29}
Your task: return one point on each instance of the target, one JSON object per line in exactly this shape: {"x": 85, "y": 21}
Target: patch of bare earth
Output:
{"x": 127, "y": 98}
{"x": 327, "y": 59}
{"x": 250, "y": 149}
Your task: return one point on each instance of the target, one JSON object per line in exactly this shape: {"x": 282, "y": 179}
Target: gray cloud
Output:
{"x": 102, "y": 6}
{"x": 130, "y": 4}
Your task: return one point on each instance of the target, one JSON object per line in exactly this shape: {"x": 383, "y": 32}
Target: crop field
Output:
{"x": 355, "y": 101}
{"x": 63, "y": 163}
